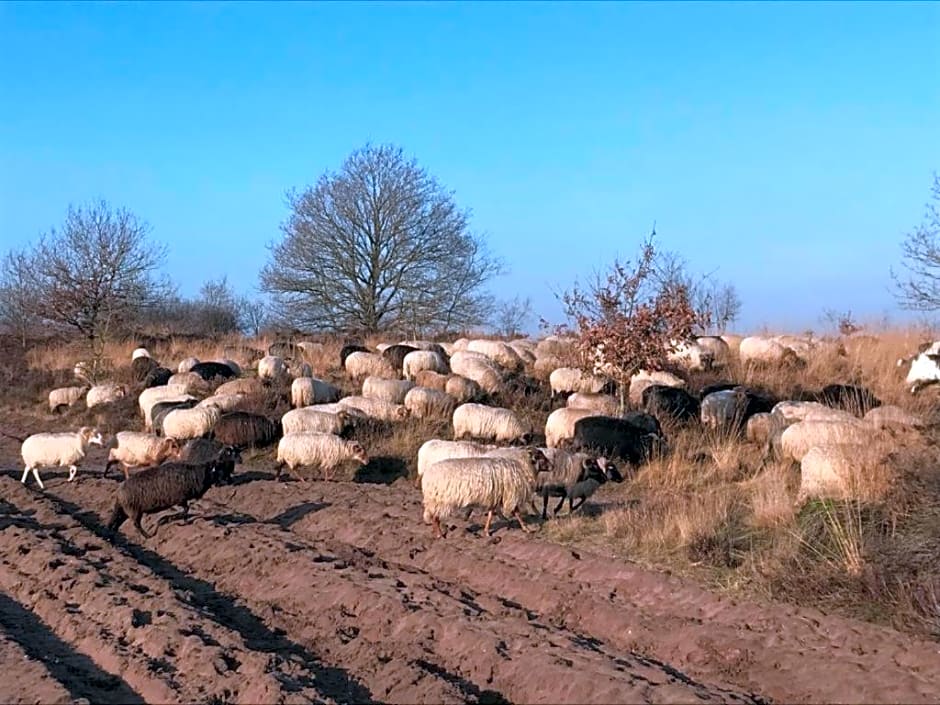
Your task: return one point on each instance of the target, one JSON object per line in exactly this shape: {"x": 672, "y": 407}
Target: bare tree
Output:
{"x": 378, "y": 245}
{"x": 716, "y": 304}
{"x": 17, "y": 296}
{"x": 254, "y": 315}
{"x": 95, "y": 274}
{"x": 722, "y": 303}
{"x": 218, "y": 308}
{"x": 918, "y": 289}
{"x": 511, "y": 316}
{"x": 630, "y": 318}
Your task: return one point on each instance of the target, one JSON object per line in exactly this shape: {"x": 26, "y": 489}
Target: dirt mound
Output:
{"x": 335, "y": 592}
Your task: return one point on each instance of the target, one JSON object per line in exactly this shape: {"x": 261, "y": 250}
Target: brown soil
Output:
{"x": 336, "y": 592}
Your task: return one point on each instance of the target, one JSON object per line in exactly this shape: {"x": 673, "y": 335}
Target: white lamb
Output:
{"x": 187, "y": 364}
{"x": 560, "y": 424}
{"x": 191, "y": 423}
{"x": 375, "y": 408}
{"x": 392, "y": 391}
{"x": 436, "y": 449}
{"x": 363, "y": 364}
{"x": 305, "y": 391}
{"x": 489, "y": 423}
{"x": 135, "y": 449}
{"x": 323, "y": 450}
{"x": 422, "y": 402}
{"x": 104, "y": 394}
{"x": 487, "y": 483}
{"x": 271, "y": 368}
{"x": 57, "y": 450}
{"x": 65, "y": 396}
{"x": 421, "y": 360}
{"x": 310, "y": 419}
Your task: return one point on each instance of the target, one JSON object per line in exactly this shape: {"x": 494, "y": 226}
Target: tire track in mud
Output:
{"x": 407, "y": 635}
{"x": 779, "y": 651}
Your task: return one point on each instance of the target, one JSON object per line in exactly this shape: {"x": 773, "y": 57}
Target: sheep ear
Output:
{"x": 586, "y": 463}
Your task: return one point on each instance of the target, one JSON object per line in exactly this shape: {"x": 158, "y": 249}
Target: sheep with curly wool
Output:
{"x": 490, "y": 423}
{"x": 359, "y": 365}
{"x": 479, "y": 368}
{"x": 559, "y": 425}
{"x": 227, "y": 402}
{"x": 422, "y": 403}
{"x": 566, "y": 380}
{"x": 377, "y": 409}
{"x": 605, "y": 404}
{"x": 271, "y": 368}
{"x": 135, "y": 449}
{"x": 436, "y": 449}
{"x": 326, "y": 451}
{"x": 246, "y": 385}
{"x": 488, "y": 483}
{"x": 190, "y": 381}
{"x": 310, "y": 419}
{"x": 191, "y": 423}
{"x": 392, "y": 391}
{"x": 104, "y": 394}
{"x": 431, "y": 380}
{"x": 423, "y": 360}
{"x": 306, "y": 391}
{"x": 501, "y": 353}
{"x": 64, "y": 397}
{"x": 57, "y": 450}
{"x": 797, "y": 439}
{"x": 463, "y": 389}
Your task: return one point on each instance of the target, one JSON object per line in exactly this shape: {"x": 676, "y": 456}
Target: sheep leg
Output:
{"x": 486, "y": 526}
{"x": 38, "y": 479}
{"x": 436, "y": 523}
{"x": 25, "y": 475}
{"x": 561, "y": 503}
{"x": 522, "y": 523}
{"x": 138, "y": 517}
{"x": 545, "y": 506}
{"x": 72, "y": 470}
{"x": 571, "y": 506}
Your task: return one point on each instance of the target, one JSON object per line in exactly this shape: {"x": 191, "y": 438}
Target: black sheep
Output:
{"x": 167, "y": 485}
{"x": 348, "y": 350}
{"x": 211, "y": 370}
{"x": 643, "y": 421}
{"x": 847, "y": 397}
{"x": 243, "y": 429}
{"x": 395, "y": 354}
{"x": 141, "y": 367}
{"x": 716, "y": 387}
{"x": 157, "y": 377}
{"x": 203, "y": 450}
{"x": 614, "y": 438}
{"x": 159, "y": 411}
{"x": 673, "y": 402}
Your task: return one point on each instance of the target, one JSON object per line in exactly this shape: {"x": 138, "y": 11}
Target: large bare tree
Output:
{"x": 918, "y": 288}
{"x": 17, "y": 298}
{"x": 378, "y": 245}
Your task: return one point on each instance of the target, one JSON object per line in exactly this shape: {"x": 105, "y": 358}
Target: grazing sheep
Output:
{"x": 463, "y": 389}
{"x": 797, "y": 439}
{"x": 719, "y": 349}
{"x": 348, "y": 350}
{"x": 571, "y": 473}
{"x": 271, "y": 368}
{"x": 191, "y": 423}
{"x": 375, "y": 408}
{"x": 171, "y": 484}
{"x": 760, "y": 427}
{"x": 435, "y": 449}
{"x": 601, "y": 403}
{"x": 566, "y": 380}
{"x": 247, "y": 385}
{"x": 489, "y": 423}
{"x": 366, "y": 364}
{"x": 64, "y": 397}
{"x": 162, "y": 408}
{"x": 157, "y": 377}
{"x": 439, "y": 348}
{"x": 305, "y": 391}
{"x": 615, "y": 438}
{"x": 57, "y": 449}
{"x": 554, "y": 345}
{"x": 187, "y": 364}
{"x": 423, "y": 360}
{"x": 310, "y": 419}
{"x": 559, "y": 425}
{"x": 831, "y": 471}
{"x": 643, "y": 379}
{"x": 241, "y": 430}
{"x": 431, "y": 380}
{"x": 501, "y": 353}
{"x": 392, "y": 391}
{"x": 893, "y": 416}
{"x": 644, "y": 421}
{"x": 395, "y": 355}
{"x": 324, "y": 450}
{"x": 422, "y": 402}
{"x": 227, "y": 402}
{"x": 209, "y": 371}
{"x": 190, "y": 381}
{"x": 757, "y": 350}
{"x": 691, "y": 356}
{"x": 136, "y": 449}
{"x": 789, "y": 412}
{"x": 478, "y": 368}
{"x": 143, "y": 366}
{"x": 674, "y": 402}
{"x": 487, "y": 483}
{"x": 732, "y": 408}
{"x": 232, "y": 365}
{"x": 104, "y": 394}
{"x": 139, "y": 353}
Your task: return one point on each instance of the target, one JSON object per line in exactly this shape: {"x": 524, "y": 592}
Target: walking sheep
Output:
{"x": 489, "y": 423}
{"x": 560, "y": 424}
{"x": 436, "y": 449}
{"x": 375, "y": 408}
{"x": 57, "y": 450}
{"x": 245, "y": 430}
{"x": 104, "y": 394}
{"x": 64, "y": 397}
{"x": 323, "y": 450}
{"x": 305, "y": 391}
{"x": 312, "y": 419}
{"x": 204, "y": 450}
{"x": 191, "y": 423}
{"x": 422, "y": 402}
{"x": 487, "y": 483}
{"x": 135, "y": 449}
{"x": 168, "y": 485}
{"x": 573, "y": 476}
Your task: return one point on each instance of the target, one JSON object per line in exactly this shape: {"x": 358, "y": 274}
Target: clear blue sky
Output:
{"x": 787, "y": 145}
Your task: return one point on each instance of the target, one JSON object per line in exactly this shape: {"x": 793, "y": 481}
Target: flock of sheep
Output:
{"x": 197, "y": 420}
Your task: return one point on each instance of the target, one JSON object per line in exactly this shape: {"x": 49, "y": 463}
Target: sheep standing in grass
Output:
{"x": 431, "y": 380}
{"x": 190, "y": 381}
{"x": 377, "y": 409}
{"x": 560, "y": 424}
{"x": 310, "y": 419}
{"x": 572, "y": 476}
{"x": 478, "y": 368}
{"x": 422, "y": 402}
{"x": 210, "y": 371}
{"x": 227, "y": 402}
{"x": 64, "y": 397}
{"x": 136, "y": 449}
{"x": 168, "y": 485}
{"x": 436, "y": 449}
{"x": 392, "y": 391}
{"x": 643, "y": 379}
{"x": 104, "y": 394}
{"x": 421, "y": 361}
{"x": 305, "y": 391}
{"x": 191, "y": 423}
{"x": 489, "y": 423}
{"x": 487, "y": 483}
{"x": 323, "y": 450}
{"x": 797, "y": 439}
{"x": 143, "y": 366}
{"x": 57, "y": 450}
{"x": 600, "y": 403}
{"x": 365, "y": 364}
{"x": 501, "y": 353}
{"x": 462, "y": 389}
{"x": 566, "y": 380}
{"x": 271, "y": 368}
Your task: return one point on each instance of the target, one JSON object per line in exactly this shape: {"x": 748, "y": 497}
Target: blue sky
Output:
{"x": 788, "y": 146}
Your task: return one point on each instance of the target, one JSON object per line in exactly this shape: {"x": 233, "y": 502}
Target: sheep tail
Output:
{"x": 15, "y": 438}
{"x": 118, "y": 516}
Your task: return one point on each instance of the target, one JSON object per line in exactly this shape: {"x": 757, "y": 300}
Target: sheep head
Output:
{"x": 538, "y": 460}
{"x": 358, "y": 453}
{"x": 91, "y": 436}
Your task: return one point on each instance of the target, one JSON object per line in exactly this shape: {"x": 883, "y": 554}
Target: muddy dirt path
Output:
{"x": 335, "y": 592}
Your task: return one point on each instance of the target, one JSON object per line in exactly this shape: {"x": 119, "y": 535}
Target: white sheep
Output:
{"x": 760, "y": 427}
{"x": 271, "y": 368}
{"x": 154, "y": 395}
{"x": 479, "y": 368}
{"x": 190, "y": 381}
{"x": 305, "y": 391}
{"x": 422, "y": 402}
{"x": 65, "y": 396}
{"x": 186, "y": 364}
{"x": 487, "y": 483}
{"x": 310, "y": 419}
{"x": 644, "y": 378}
{"x": 554, "y": 345}
{"x": 601, "y": 403}
{"x": 792, "y": 411}
{"x": 924, "y": 370}
{"x": 421, "y": 360}
{"x": 566, "y": 380}
{"x": 797, "y": 439}
{"x": 489, "y": 423}
{"x": 691, "y": 356}
{"x": 431, "y": 380}
{"x": 375, "y": 408}
{"x": 501, "y": 353}
{"x": 831, "y": 471}
{"x": 719, "y": 349}
{"x": 436, "y": 449}
{"x": 140, "y": 352}
{"x": 246, "y": 385}
{"x": 57, "y": 450}
{"x": 560, "y": 424}
{"x": 135, "y": 449}
{"x": 324, "y": 450}
{"x": 732, "y": 341}
{"x": 392, "y": 391}
{"x": 227, "y": 402}
{"x": 543, "y": 366}
{"x": 104, "y": 394}
{"x": 191, "y": 423}
{"x": 462, "y": 389}
{"x": 758, "y": 350}
{"x": 310, "y": 350}
{"x": 893, "y": 416}
{"x": 363, "y": 364}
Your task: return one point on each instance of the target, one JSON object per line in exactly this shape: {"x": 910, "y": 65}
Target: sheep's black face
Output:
{"x": 590, "y": 470}
{"x": 612, "y": 473}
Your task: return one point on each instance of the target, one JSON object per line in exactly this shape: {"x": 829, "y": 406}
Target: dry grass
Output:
{"x": 713, "y": 508}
